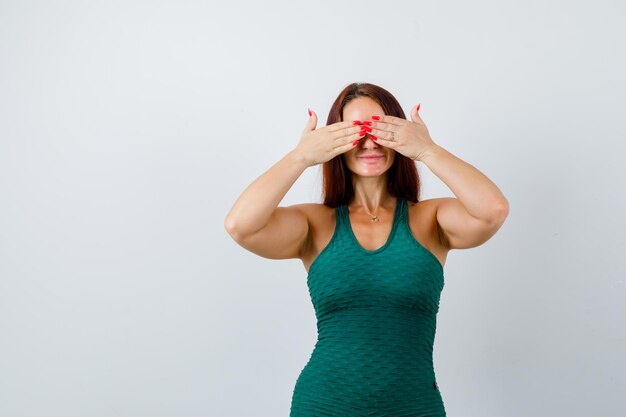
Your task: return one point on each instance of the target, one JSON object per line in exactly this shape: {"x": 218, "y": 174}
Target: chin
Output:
{"x": 374, "y": 172}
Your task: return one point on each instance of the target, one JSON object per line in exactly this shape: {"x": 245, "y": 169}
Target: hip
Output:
{"x": 368, "y": 391}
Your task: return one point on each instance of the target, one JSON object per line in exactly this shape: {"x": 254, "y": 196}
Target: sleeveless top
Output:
{"x": 376, "y": 320}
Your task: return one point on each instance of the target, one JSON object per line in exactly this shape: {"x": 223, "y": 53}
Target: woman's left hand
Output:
{"x": 410, "y": 138}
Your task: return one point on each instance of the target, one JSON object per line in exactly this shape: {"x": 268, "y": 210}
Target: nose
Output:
{"x": 369, "y": 142}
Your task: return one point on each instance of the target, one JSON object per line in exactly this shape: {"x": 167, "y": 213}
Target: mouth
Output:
{"x": 372, "y": 159}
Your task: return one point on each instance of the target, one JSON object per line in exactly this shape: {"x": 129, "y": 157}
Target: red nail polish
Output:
{"x": 310, "y": 114}
{"x": 368, "y": 129}
{"x": 362, "y": 133}
{"x": 418, "y": 107}
{"x": 367, "y": 123}
{"x": 376, "y": 117}
{"x": 373, "y": 137}
{"x": 356, "y": 142}
{"x": 356, "y": 122}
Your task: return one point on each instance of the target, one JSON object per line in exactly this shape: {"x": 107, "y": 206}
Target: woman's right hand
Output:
{"x": 320, "y": 145}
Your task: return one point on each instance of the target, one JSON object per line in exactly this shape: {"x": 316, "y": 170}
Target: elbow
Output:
{"x": 229, "y": 225}
{"x": 501, "y": 210}
{"x": 503, "y": 207}
{"x": 234, "y": 229}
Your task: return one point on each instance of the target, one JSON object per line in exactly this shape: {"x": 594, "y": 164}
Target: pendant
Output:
{"x": 375, "y": 219}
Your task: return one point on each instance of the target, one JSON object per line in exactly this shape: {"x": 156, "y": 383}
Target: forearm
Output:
{"x": 478, "y": 194}
{"x": 254, "y": 207}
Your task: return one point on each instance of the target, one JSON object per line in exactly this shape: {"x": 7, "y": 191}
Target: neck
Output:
{"x": 370, "y": 193}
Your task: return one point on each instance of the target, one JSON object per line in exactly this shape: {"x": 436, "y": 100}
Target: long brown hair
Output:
{"x": 402, "y": 177}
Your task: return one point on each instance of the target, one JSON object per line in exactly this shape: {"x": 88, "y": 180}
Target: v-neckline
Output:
{"x": 394, "y": 226}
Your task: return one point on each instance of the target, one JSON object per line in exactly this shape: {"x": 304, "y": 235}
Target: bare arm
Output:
{"x": 257, "y": 223}
{"x": 480, "y": 207}
{"x": 258, "y": 204}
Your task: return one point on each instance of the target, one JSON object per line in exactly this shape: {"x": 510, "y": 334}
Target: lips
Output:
{"x": 371, "y": 156}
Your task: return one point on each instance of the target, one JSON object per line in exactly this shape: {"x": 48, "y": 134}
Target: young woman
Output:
{"x": 373, "y": 251}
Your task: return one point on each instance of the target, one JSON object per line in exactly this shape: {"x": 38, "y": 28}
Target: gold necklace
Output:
{"x": 373, "y": 217}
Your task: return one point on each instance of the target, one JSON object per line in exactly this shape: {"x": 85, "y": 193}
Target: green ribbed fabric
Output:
{"x": 376, "y": 321}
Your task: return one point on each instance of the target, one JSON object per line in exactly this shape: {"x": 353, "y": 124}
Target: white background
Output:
{"x": 129, "y": 128}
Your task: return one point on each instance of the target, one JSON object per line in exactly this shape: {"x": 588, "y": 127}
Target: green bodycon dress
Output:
{"x": 376, "y": 320}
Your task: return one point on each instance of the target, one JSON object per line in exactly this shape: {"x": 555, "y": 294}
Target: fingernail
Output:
{"x": 376, "y": 117}
{"x": 310, "y": 114}
{"x": 356, "y": 122}
{"x": 367, "y": 123}
{"x": 368, "y": 129}
{"x": 373, "y": 137}
{"x": 418, "y": 107}
{"x": 356, "y": 142}
{"x": 362, "y": 133}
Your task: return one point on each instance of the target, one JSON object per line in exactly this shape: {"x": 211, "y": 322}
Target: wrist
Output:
{"x": 297, "y": 158}
{"x": 429, "y": 152}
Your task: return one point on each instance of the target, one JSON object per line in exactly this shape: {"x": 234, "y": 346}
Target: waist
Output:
{"x": 377, "y": 326}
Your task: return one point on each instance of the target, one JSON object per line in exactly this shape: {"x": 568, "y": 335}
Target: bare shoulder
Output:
{"x": 315, "y": 212}
{"x": 425, "y": 228}
{"x": 424, "y": 209}
{"x": 321, "y": 228}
